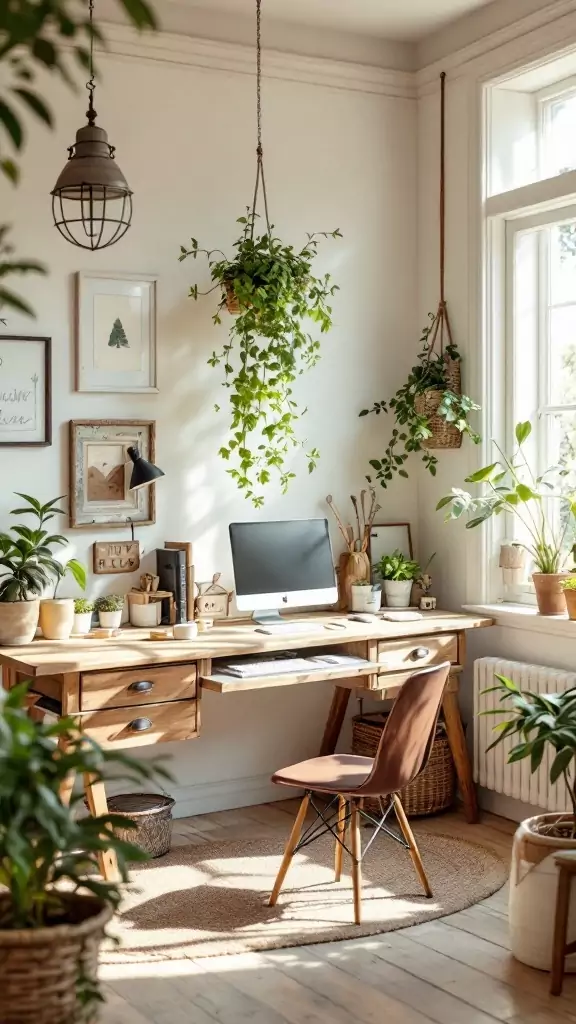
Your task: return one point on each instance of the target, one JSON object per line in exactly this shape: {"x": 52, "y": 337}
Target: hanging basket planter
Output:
{"x": 233, "y": 304}
{"x": 444, "y": 434}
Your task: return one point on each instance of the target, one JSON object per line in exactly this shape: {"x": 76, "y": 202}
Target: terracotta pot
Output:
{"x": 56, "y": 618}
{"x": 18, "y": 622}
{"x": 533, "y": 886}
{"x": 549, "y": 593}
{"x": 570, "y": 596}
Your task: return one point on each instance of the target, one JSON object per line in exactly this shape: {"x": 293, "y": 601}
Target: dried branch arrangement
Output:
{"x": 364, "y": 512}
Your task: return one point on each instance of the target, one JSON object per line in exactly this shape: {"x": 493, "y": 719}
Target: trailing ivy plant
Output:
{"x": 411, "y": 428}
{"x": 268, "y": 347}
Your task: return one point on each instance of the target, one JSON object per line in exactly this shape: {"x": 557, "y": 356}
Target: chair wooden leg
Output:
{"x": 341, "y": 831}
{"x": 560, "y": 931}
{"x": 409, "y": 837}
{"x": 289, "y": 851}
{"x": 356, "y": 844}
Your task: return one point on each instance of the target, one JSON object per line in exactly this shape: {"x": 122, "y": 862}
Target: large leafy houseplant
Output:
{"x": 49, "y": 854}
{"x": 269, "y": 345}
{"x": 539, "y": 721}
{"x": 412, "y": 428}
{"x": 27, "y": 562}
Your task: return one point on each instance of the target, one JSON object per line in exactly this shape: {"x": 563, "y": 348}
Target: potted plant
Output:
{"x": 82, "y": 616}
{"x": 544, "y": 724}
{"x": 398, "y": 575}
{"x": 27, "y": 567}
{"x": 513, "y": 487}
{"x": 272, "y": 289}
{"x": 109, "y": 610}
{"x": 569, "y": 587}
{"x": 366, "y": 597}
{"x": 429, "y": 411}
{"x": 53, "y": 911}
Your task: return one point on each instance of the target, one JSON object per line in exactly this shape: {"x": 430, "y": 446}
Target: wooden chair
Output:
{"x": 566, "y": 862}
{"x": 402, "y": 753}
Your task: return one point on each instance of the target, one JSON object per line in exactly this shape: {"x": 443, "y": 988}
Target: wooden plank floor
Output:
{"x": 452, "y": 971}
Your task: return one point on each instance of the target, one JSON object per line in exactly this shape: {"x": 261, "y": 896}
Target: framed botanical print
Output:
{"x": 115, "y": 332}
{"x": 100, "y": 471}
{"x": 25, "y": 391}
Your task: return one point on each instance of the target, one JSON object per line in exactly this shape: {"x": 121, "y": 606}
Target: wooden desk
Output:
{"x": 130, "y": 691}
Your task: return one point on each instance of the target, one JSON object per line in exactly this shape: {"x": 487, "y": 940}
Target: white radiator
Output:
{"x": 491, "y": 769}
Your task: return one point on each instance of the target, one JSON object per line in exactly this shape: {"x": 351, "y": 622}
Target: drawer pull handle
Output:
{"x": 140, "y": 724}
{"x": 142, "y": 686}
{"x": 420, "y": 652}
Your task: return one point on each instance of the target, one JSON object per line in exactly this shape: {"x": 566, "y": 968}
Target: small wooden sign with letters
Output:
{"x": 116, "y": 556}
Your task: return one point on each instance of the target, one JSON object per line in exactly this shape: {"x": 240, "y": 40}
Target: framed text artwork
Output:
{"x": 100, "y": 472}
{"x": 25, "y": 391}
{"x": 115, "y": 332}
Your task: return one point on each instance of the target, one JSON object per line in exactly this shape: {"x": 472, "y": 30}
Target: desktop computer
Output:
{"x": 287, "y": 564}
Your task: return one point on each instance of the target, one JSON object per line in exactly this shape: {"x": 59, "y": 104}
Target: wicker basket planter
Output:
{"x": 152, "y": 813}
{"x": 434, "y": 790}
{"x": 232, "y": 301}
{"x": 444, "y": 435}
{"x": 41, "y": 967}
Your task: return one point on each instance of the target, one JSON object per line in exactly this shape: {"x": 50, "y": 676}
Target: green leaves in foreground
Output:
{"x": 9, "y": 266}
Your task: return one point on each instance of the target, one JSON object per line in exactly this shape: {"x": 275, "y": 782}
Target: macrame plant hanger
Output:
{"x": 444, "y": 434}
{"x": 260, "y": 179}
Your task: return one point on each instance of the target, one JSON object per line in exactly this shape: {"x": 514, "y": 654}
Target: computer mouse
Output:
{"x": 363, "y": 617}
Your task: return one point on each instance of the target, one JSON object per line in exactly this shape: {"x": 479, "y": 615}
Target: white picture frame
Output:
{"x": 385, "y": 538}
{"x": 116, "y": 333}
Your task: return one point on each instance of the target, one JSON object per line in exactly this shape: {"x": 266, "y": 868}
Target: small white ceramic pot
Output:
{"x": 533, "y": 887}
{"x": 56, "y": 617}
{"x": 146, "y": 616}
{"x": 397, "y": 593}
{"x": 359, "y": 597}
{"x": 373, "y": 602}
{"x": 82, "y": 623}
{"x": 110, "y": 620}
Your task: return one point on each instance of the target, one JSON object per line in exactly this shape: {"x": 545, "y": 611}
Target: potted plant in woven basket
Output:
{"x": 53, "y": 909}
{"x": 544, "y": 725}
{"x": 510, "y": 485}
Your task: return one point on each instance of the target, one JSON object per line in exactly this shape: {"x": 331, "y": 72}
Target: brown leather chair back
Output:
{"x": 408, "y": 735}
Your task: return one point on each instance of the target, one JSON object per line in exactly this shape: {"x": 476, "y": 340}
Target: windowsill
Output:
{"x": 524, "y": 616}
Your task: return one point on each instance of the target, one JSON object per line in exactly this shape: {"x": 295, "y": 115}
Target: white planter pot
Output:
{"x": 533, "y": 885}
{"x": 110, "y": 620}
{"x": 82, "y": 623}
{"x": 360, "y": 596}
{"x": 397, "y": 593}
{"x": 146, "y": 616}
{"x": 18, "y": 622}
{"x": 56, "y": 617}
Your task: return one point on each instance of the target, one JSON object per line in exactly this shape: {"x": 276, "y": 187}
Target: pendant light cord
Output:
{"x": 260, "y": 180}
{"x": 90, "y": 84}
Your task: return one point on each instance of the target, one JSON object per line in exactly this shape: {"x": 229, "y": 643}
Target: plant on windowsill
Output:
{"x": 27, "y": 568}
{"x": 541, "y": 724}
{"x": 53, "y": 908}
{"x": 398, "y": 575}
{"x": 569, "y": 588}
{"x": 429, "y": 411}
{"x": 511, "y": 486}
{"x": 271, "y": 290}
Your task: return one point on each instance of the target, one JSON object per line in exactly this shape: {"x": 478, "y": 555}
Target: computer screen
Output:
{"x": 284, "y": 563}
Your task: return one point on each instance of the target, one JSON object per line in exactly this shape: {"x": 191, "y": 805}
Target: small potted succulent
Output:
{"x": 109, "y": 608}
{"x": 398, "y": 575}
{"x": 569, "y": 587}
{"x": 82, "y": 616}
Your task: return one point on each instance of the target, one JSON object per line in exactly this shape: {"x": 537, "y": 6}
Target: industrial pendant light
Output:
{"x": 91, "y": 201}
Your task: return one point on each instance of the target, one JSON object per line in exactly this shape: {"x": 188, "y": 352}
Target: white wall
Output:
{"x": 185, "y": 137}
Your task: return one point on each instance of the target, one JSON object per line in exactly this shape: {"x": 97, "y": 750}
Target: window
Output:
{"x": 533, "y": 318}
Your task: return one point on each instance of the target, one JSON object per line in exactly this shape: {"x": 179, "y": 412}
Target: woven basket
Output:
{"x": 444, "y": 435}
{"x": 433, "y": 790}
{"x": 232, "y": 301}
{"x": 152, "y": 814}
{"x": 40, "y": 967}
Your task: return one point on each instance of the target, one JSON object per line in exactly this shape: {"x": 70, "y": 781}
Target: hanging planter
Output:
{"x": 430, "y": 411}
{"x": 271, "y": 291}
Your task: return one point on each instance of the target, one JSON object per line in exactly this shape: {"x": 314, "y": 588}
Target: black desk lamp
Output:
{"x": 143, "y": 472}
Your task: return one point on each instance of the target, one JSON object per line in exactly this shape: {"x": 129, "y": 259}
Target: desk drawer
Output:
{"x": 125, "y": 687}
{"x": 143, "y": 724}
{"x": 417, "y": 652}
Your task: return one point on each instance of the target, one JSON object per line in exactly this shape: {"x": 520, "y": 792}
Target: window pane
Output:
{"x": 563, "y": 263}
{"x": 563, "y": 355}
{"x": 562, "y": 452}
{"x": 560, "y": 138}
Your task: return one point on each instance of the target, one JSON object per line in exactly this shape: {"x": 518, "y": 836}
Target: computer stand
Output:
{"x": 266, "y": 616}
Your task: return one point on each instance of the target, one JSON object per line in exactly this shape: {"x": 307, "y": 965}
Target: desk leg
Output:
{"x": 97, "y": 803}
{"x": 335, "y": 720}
{"x": 457, "y": 741}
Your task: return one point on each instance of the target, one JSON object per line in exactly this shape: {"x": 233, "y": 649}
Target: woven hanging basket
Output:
{"x": 444, "y": 435}
{"x": 432, "y": 791}
{"x": 232, "y": 301}
{"x": 40, "y": 967}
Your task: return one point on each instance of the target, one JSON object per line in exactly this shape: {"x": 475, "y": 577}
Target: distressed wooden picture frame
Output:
{"x": 100, "y": 471}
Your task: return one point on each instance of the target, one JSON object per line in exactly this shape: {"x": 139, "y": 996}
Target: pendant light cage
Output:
{"x": 91, "y": 201}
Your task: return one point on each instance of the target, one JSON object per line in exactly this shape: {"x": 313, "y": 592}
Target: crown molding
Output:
{"x": 189, "y": 51}
{"x": 531, "y": 39}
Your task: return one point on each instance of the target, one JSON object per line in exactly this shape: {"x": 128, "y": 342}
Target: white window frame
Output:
{"x": 545, "y": 98}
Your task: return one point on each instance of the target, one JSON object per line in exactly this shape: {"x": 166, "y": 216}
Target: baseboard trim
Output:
{"x": 225, "y": 795}
{"x": 506, "y": 806}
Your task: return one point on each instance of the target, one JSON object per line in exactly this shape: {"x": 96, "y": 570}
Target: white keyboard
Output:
{"x": 289, "y": 627}
{"x": 272, "y": 667}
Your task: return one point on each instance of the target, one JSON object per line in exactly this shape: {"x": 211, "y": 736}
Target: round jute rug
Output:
{"x": 209, "y": 900}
